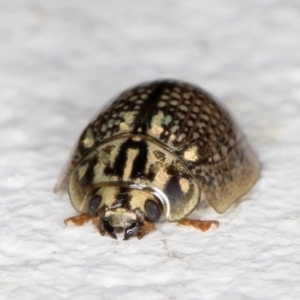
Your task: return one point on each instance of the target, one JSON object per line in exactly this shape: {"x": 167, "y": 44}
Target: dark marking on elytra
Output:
{"x": 94, "y": 204}
{"x": 172, "y": 170}
{"x": 159, "y": 155}
{"x": 139, "y": 163}
{"x": 190, "y": 165}
{"x": 151, "y": 173}
{"x": 108, "y": 149}
{"x": 89, "y": 174}
{"x": 173, "y": 189}
{"x": 143, "y": 120}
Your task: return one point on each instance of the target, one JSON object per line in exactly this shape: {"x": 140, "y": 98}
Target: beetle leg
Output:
{"x": 198, "y": 224}
{"x": 79, "y": 220}
{"x": 145, "y": 228}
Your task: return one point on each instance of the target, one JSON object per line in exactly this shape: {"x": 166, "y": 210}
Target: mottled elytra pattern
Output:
{"x": 166, "y": 135}
{"x": 181, "y": 116}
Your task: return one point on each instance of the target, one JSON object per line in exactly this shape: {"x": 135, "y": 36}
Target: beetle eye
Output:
{"x": 94, "y": 204}
{"x": 152, "y": 211}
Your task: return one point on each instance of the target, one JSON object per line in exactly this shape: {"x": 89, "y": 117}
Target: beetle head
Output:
{"x": 118, "y": 209}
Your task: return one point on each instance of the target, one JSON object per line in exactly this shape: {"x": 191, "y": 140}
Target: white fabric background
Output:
{"x": 60, "y": 61}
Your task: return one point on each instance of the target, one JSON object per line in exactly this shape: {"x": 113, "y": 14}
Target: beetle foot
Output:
{"x": 79, "y": 220}
{"x": 145, "y": 228}
{"x": 198, "y": 224}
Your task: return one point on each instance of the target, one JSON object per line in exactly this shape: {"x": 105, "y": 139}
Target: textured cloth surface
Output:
{"x": 61, "y": 61}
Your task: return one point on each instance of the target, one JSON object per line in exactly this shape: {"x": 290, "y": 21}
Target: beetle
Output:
{"x": 156, "y": 149}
